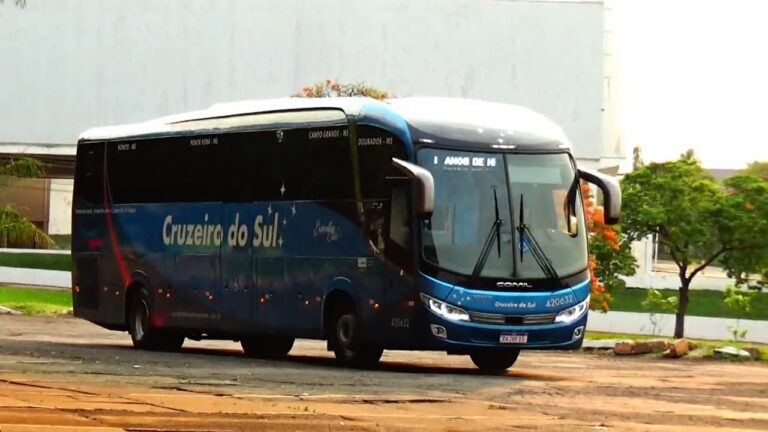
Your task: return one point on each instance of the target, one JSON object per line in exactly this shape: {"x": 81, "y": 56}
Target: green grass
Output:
{"x": 703, "y": 303}
{"x": 592, "y": 335}
{"x": 705, "y": 348}
{"x": 36, "y": 261}
{"x": 63, "y": 241}
{"x": 33, "y": 301}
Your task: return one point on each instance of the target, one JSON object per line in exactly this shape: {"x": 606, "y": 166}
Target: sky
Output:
{"x": 694, "y": 74}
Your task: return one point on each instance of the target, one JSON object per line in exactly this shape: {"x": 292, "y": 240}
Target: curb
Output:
{"x": 8, "y": 311}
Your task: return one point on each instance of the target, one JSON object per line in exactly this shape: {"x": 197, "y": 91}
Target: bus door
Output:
{"x": 399, "y": 297}
{"x": 385, "y": 193}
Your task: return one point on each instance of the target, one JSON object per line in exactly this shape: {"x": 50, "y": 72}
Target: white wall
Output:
{"x": 60, "y": 208}
{"x": 695, "y": 327}
{"x": 75, "y": 64}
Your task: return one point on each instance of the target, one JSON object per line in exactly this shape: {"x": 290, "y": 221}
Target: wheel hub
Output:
{"x": 346, "y": 330}
{"x": 140, "y": 320}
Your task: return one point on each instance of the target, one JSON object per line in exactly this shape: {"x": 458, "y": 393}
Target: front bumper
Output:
{"x": 463, "y": 336}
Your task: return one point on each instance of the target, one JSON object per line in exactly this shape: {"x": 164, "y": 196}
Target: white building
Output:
{"x": 69, "y": 65}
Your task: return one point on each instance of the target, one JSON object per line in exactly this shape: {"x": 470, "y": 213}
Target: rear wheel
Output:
{"x": 266, "y": 346}
{"x": 494, "y": 361}
{"x": 143, "y": 334}
{"x": 346, "y": 340}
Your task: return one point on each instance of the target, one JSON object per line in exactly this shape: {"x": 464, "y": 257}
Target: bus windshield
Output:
{"x": 465, "y": 213}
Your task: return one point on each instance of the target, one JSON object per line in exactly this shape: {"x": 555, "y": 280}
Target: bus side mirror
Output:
{"x": 424, "y": 184}
{"x": 611, "y": 193}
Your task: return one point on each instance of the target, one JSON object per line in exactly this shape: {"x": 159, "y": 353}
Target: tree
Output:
{"x": 15, "y": 230}
{"x": 748, "y": 225}
{"x": 655, "y": 303}
{"x": 741, "y": 303}
{"x": 757, "y": 169}
{"x": 637, "y": 158}
{"x": 695, "y": 219}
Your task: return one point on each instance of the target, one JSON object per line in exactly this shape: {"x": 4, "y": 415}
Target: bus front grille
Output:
{"x": 484, "y": 318}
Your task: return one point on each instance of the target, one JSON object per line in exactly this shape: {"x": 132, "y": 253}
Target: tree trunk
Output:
{"x": 682, "y": 308}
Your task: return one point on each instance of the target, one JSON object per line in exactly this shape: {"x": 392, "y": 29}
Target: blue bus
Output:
{"x": 407, "y": 224}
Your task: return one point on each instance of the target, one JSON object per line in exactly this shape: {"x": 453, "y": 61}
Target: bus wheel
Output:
{"x": 494, "y": 361}
{"x": 143, "y": 335}
{"x": 346, "y": 343}
{"x": 266, "y": 346}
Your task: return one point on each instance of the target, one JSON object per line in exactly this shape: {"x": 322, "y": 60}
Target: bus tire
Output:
{"x": 266, "y": 346}
{"x": 494, "y": 361}
{"x": 345, "y": 338}
{"x": 143, "y": 335}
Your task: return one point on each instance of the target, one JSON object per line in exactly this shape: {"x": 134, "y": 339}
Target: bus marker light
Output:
{"x": 578, "y": 332}
{"x": 376, "y": 307}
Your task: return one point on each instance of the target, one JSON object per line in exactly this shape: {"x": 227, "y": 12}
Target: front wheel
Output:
{"x": 347, "y": 343}
{"x": 494, "y": 361}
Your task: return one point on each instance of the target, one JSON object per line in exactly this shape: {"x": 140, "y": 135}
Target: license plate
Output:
{"x": 518, "y": 338}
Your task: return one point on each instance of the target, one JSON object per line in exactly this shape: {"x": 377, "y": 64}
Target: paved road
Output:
{"x": 63, "y": 374}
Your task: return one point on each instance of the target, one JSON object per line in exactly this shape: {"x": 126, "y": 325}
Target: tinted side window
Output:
{"x": 249, "y": 172}
{"x": 317, "y": 164}
{"x": 89, "y": 174}
{"x": 399, "y": 225}
{"x": 294, "y": 164}
{"x": 179, "y": 169}
{"x": 375, "y": 150}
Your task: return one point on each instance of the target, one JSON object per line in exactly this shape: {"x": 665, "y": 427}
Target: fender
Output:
{"x": 338, "y": 284}
{"x": 138, "y": 278}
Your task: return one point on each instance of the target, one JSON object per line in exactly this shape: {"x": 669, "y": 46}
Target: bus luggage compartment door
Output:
{"x": 237, "y": 278}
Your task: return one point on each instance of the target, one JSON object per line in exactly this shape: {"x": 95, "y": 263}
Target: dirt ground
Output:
{"x": 64, "y": 374}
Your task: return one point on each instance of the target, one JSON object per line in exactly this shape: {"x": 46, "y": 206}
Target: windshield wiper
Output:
{"x": 495, "y": 233}
{"x": 541, "y": 258}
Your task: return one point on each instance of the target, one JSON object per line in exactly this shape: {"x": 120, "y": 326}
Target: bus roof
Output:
{"x": 468, "y": 122}
{"x": 445, "y": 121}
{"x": 164, "y": 125}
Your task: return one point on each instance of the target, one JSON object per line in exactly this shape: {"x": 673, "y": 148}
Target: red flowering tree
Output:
{"x": 610, "y": 254}
{"x": 330, "y": 88}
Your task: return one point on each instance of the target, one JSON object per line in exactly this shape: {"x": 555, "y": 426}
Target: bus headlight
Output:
{"x": 573, "y": 313}
{"x": 449, "y": 312}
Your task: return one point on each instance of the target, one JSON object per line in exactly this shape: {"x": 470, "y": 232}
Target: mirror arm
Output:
{"x": 425, "y": 186}
{"x": 611, "y": 193}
